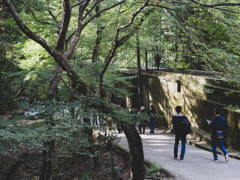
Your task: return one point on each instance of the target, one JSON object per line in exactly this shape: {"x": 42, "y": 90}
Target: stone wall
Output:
{"x": 198, "y": 95}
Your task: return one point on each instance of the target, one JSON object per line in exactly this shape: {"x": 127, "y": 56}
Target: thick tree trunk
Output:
{"x": 136, "y": 152}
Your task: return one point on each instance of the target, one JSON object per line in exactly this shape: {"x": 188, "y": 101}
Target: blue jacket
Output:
{"x": 219, "y": 123}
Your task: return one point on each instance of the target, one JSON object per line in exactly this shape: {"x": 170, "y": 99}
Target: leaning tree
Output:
{"x": 67, "y": 43}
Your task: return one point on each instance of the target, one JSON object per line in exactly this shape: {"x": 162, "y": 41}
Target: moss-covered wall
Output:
{"x": 198, "y": 97}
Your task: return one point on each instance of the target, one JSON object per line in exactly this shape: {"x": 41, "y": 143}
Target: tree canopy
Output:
{"x": 73, "y": 52}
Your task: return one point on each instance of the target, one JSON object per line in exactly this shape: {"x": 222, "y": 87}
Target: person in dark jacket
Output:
{"x": 132, "y": 112}
{"x": 219, "y": 124}
{"x": 152, "y": 114}
{"x": 179, "y": 134}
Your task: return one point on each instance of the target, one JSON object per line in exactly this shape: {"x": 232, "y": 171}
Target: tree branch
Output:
{"x": 79, "y": 3}
{"x": 66, "y": 16}
{"x": 162, "y": 7}
{"x": 118, "y": 43}
{"x": 188, "y": 5}
{"x": 134, "y": 15}
{"x": 78, "y": 31}
{"x": 215, "y": 5}
{"x": 26, "y": 30}
{"x": 34, "y": 15}
{"x": 50, "y": 12}
{"x": 64, "y": 82}
{"x": 125, "y": 38}
{"x": 178, "y": 21}
{"x": 99, "y": 12}
{"x": 218, "y": 18}
{"x": 68, "y": 39}
{"x": 92, "y": 8}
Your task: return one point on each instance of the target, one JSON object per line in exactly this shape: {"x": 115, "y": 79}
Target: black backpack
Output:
{"x": 185, "y": 126}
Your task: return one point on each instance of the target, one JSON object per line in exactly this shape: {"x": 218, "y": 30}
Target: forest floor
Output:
{"x": 26, "y": 165}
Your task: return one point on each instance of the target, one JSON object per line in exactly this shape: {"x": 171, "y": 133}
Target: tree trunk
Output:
{"x": 97, "y": 43}
{"x": 88, "y": 130}
{"x": 72, "y": 109}
{"x": 158, "y": 57}
{"x": 77, "y": 83}
{"x": 136, "y": 152}
{"x": 146, "y": 59}
{"x": 32, "y": 98}
{"x": 139, "y": 73}
{"x": 54, "y": 82}
{"x": 47, "y": 162}
{"x": 46, "y": 169}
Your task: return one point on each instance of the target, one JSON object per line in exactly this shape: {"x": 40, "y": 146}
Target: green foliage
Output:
{"x": 10, "y": 80}
{"x": 116, "y": 172}
{"x": 177, "y": 36}
{"x": 154, "y": 168}
{"x": 236, "y": 107}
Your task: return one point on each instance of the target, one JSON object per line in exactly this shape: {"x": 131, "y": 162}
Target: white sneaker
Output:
{"x": 227, "y": 157}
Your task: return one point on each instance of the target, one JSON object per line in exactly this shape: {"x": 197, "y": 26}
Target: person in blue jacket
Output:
{"x": 219, "y": 124}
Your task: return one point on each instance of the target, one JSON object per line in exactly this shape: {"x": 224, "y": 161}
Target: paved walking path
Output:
{"x": 198, "y": 164}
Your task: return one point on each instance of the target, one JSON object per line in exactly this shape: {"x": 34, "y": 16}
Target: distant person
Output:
{"x": 133, "y": 110}
{"x": 141, "y": 125}
{"x": 119, "y": 128}
{"x": 218, "y": 126}
{"x": 182, "y": 127}
{"x": 152, "y": 115}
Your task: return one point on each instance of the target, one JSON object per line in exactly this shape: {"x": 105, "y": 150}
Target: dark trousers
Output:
{"x": 119, "y": 128}
{"x": 140, "y": 127}
{"x": 183, "y": 140}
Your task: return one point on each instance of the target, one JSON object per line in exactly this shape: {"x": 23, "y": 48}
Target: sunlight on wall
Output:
{"x": 128, "y": 101}
{"x": 162, "y": 90}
